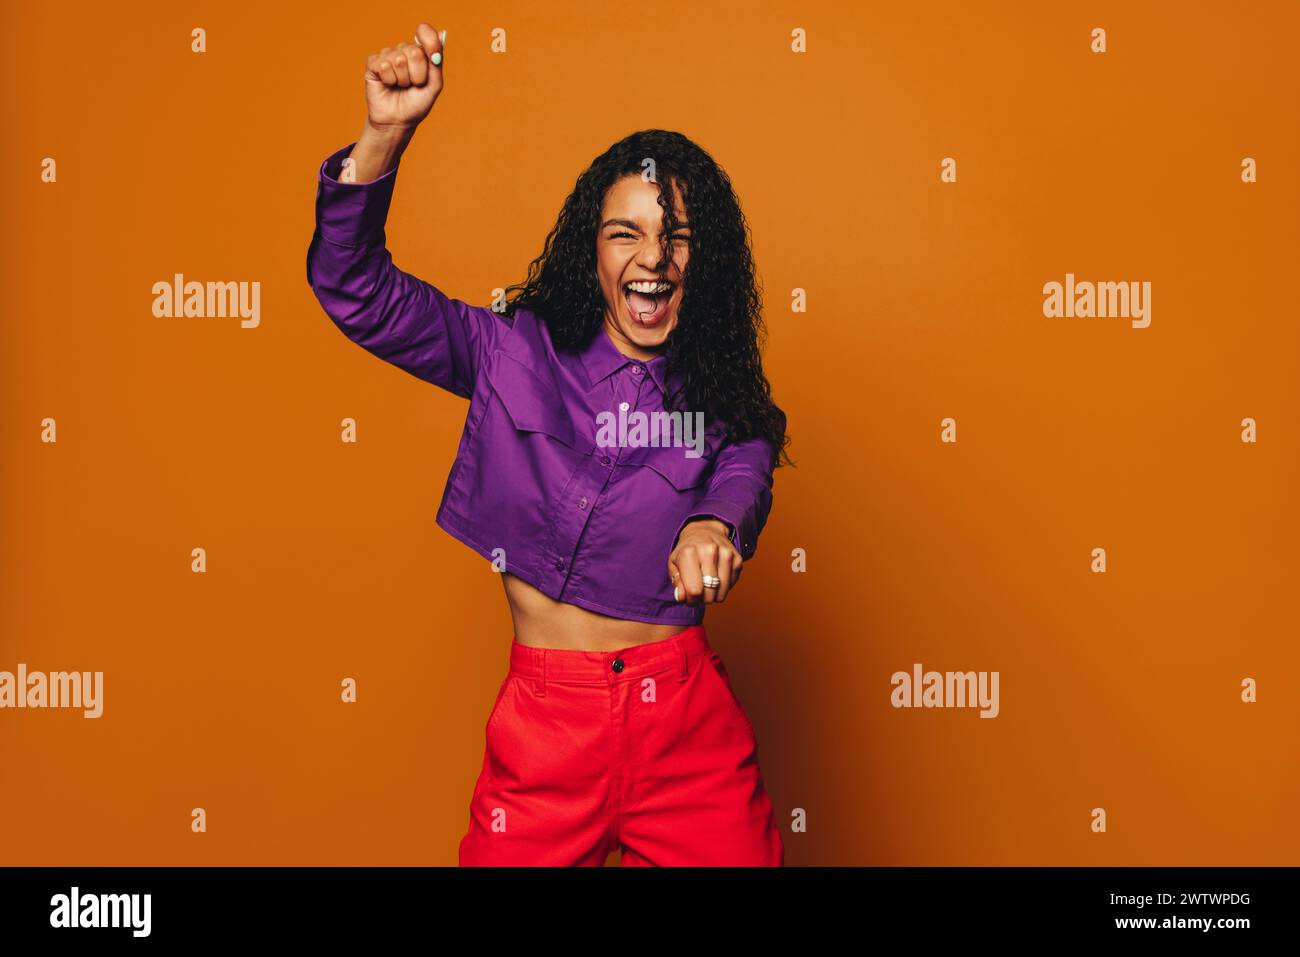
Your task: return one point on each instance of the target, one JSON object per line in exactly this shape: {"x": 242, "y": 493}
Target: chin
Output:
{"x": 649, "y": 338}
{"x": 658, "y": 331}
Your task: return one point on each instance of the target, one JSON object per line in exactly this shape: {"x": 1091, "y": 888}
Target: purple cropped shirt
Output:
{"x": 534, "y": 486}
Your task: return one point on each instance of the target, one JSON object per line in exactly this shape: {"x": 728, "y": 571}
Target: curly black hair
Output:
{"x": 714, "y": 347}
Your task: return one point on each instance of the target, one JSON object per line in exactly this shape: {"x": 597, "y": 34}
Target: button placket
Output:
{"x": 575, "y": 507}
{"x": 621, "y": 391}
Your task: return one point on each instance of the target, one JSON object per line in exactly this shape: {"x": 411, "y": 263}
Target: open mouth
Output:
{"x": 647, "y": 301}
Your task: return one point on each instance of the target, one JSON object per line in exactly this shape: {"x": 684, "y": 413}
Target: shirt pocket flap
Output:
{"x": 533, "y": 404}
{"x": 681, "y": 470}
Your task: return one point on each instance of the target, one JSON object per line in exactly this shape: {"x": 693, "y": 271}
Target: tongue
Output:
{"x": 642, "y": 302}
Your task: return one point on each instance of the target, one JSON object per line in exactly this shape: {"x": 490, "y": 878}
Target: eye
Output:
{"x": 620, "y": 235}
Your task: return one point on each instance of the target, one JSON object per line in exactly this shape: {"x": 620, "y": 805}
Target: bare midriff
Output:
{"x": 542, "y": 622}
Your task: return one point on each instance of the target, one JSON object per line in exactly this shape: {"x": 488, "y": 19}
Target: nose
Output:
{"x": 650, "y": 254}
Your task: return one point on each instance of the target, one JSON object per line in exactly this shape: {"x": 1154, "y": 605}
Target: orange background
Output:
{"x": 925, "y": 301}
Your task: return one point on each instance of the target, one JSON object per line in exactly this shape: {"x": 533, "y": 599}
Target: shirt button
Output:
{"x": 617, "y": 664}
{"x": 604, "y": 460}
{"x": 623, "y": 406}
{"x": 559, "y": 564}
{"x": 582, "y": 502}
{"x": 637, "y": 370}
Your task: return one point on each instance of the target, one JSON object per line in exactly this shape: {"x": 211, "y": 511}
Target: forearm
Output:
{"x": 378, "y": 151}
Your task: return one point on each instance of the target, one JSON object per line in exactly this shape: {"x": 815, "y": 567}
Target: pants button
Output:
{"x": 617, "y": 664}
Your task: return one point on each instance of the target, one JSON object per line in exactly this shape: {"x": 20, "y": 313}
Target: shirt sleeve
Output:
{"x": 390, "y": 313}
{"x": 739, "y": 492}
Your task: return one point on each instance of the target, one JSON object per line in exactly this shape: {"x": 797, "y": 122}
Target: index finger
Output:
{"x": 692, "y": 580}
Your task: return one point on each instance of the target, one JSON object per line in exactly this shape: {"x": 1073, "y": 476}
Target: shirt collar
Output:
{"x": 602, "y": 359}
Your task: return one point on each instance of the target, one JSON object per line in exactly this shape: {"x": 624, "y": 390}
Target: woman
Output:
{"x": 616, "y": 467}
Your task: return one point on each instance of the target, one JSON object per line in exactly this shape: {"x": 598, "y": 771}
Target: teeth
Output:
{"x": 650, "y": 288}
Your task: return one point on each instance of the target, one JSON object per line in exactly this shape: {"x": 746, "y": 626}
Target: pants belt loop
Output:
{"x": 686, "y": 664}
{"x": 541, "y": 681}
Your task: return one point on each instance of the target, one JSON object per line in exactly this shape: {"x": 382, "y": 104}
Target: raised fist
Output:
{"x": 402, "y": 82}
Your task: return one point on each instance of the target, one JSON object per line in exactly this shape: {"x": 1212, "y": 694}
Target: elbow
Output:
{"x": 345, "y": 286}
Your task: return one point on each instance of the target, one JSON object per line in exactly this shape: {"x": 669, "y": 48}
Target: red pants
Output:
{"x": 647, "y": 749}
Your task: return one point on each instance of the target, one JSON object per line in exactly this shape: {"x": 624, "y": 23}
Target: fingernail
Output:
{"x": 442, "y": 35}
{"x": 677, "y": 593}
{"x": 436, "y": 59}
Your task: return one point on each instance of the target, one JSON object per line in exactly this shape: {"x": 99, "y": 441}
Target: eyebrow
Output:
{"x": 631, "y": 225}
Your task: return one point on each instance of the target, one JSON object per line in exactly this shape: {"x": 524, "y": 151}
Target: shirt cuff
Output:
{"x": 352, "y": 214}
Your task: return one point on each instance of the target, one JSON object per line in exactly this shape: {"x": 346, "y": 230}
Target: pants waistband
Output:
{"x": 542, "y": 665}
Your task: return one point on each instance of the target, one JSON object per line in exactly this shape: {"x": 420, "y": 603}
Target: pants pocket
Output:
{"x": 716, "y": 672}
{"x": 495, "y": 713}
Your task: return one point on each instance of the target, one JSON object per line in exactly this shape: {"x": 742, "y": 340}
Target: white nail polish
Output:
{"x": 677, "y": 593}
{"x": 442, "y": 35}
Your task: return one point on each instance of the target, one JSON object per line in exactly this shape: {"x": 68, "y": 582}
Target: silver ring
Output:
{"x": 711, "y": 582}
